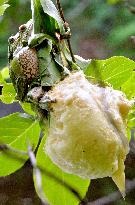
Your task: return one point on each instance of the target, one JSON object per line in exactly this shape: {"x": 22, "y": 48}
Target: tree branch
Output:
{"x": 11, "y": 152}
{"x": 66, "y": 28}
{"x": 130, "y": 185}
{"x": 37, "y": 174}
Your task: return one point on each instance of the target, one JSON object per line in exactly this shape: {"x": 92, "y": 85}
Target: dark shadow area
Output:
{"x": 18, "y": 188}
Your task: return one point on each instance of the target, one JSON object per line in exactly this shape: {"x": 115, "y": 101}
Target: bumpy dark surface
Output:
{"x": 29, "y": 63}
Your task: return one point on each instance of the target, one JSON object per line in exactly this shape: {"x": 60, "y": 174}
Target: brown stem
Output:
{"x": 65, "y": 23}
{"x": 60, "y": 10}
{"x": 70, "y": 49}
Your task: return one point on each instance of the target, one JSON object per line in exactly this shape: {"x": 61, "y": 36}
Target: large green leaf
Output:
{"x": 27, "y": 108}
{"x": 8, "y": 93}
{"x": 56, "y": 192}
{"x": 115, "y": 70}
{"x": 16, "y": 130}
{"x": 50, "y": 9}
{"x": 46, "y": 18}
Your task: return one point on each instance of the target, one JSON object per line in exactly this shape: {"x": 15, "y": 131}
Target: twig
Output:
{"x": 6, "y": 149}
{"x": 60, "y": 10}
{"x": 66, "y": 28}
{"x": 37, "y": 175}
{"x": 130, "y": 185}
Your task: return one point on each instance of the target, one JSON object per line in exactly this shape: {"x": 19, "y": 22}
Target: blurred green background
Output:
{"x": 100, "y": 28}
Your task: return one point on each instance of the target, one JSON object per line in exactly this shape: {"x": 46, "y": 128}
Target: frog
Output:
{"x": 16, "y": 42}
{"x": 32, "y": 61}
{"x": 23, "y": 61}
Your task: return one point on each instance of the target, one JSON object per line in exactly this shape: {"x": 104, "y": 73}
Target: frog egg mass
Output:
{"x": 87, "y": 133}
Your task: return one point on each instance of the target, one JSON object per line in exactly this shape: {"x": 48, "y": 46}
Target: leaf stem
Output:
{"x": 37, "y": 174}
{"x": 60, "y": 10}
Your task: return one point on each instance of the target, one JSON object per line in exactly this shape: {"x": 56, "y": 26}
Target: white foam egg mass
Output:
{"x": 87, "y": 133}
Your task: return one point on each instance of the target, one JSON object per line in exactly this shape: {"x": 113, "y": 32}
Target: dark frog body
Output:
{"x": 24, "y": 69}
{"x": 34, "y": 62}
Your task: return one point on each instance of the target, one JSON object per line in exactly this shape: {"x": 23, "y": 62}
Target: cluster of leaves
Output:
{"x": 20, "y": 130}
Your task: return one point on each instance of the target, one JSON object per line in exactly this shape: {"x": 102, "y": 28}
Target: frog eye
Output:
{"x": 22, "y": 28}
{"x": 11, "y": 40}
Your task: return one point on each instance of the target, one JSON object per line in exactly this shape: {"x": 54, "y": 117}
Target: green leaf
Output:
{"x": 50, "y": 9}
{"x": 81, "y": 62}
{"x": 16, "y": 130}
{"x": 46, "y": 18}
{"x": 50, "y": 71}
{"x": 37, "y": 39}
{"x": 131, "y": 123}
{"x": 129, "y": 87}
{"x": 115, "y": 70}
{"x": 5, "y": 73}
{"x": 3, "y": 2}
{"x": 57, "y": 193}
{"x": 8, "y": 93}
{"x": 1, "y": 79}
{"x": 131, "y": 119}
{"x": 3, "y": 8}
{"x": 27, "y": 108}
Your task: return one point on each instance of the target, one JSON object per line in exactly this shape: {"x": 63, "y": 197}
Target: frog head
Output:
{"x": 20, "y": 40}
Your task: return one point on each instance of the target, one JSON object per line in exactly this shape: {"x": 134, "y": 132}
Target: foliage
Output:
{"x": 3, "y": 6}
{"x": 20, "y": 130}
{"x": 17, "y": 131}
{"x": 115, "y": 70}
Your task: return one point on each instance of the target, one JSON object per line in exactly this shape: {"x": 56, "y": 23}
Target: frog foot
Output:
{"x": 35, "y": 94}
{"x": 46, "y": 102}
